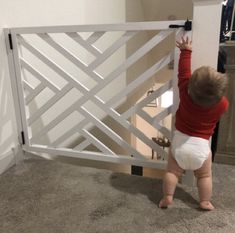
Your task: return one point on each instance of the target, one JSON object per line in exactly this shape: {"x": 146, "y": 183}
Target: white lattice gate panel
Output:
{"x": 73, "y": 93}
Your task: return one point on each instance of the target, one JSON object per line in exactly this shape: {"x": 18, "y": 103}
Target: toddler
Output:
{"x": 202, "y": 102}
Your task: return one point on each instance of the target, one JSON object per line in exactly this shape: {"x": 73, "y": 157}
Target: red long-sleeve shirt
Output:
{"x": 192, "y": 119}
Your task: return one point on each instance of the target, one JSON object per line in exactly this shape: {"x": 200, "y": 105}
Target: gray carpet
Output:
{"x": 41, "y": 196}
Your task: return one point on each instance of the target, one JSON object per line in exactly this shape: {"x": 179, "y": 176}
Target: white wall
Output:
{"x": 206, "y": 31}
{"x": 41, "y": 13}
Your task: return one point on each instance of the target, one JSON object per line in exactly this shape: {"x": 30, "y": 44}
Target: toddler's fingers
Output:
{"x": 187, "y": 39}
{"x": 179, "y": 45}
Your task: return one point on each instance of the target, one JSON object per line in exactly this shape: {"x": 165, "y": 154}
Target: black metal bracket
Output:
{"x": 136, "y": 170}
{"x": 22, "y": 137}
{"x": 10, "y": 41}
{"x": 187, "y": 25}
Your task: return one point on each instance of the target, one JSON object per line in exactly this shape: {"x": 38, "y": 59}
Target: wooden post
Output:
{"x": 226, "y": 137}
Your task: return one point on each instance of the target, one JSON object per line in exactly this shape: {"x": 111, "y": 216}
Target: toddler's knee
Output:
{"x": 204, "y": 174}
{"x": 177, "y": 173}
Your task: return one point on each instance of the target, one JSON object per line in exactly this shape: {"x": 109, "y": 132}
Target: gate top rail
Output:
{"x": 154, "y": 25}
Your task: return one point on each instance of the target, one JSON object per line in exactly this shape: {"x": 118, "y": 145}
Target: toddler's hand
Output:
{"x": 184, "y": 44}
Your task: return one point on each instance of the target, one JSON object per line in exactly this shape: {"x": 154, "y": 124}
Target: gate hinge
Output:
{"x": 10, "y": 41}
{"x": 22, "y": 137}
{"x": 187, "y": 25}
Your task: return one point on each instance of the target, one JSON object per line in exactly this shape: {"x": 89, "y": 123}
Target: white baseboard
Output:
{"x": 7, "y": 160}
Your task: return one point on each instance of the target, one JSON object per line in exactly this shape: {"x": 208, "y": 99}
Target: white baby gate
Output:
{"x": 62, "y": 94}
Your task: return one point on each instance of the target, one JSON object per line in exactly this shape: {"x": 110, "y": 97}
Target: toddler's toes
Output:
{"x": 206, "y": 205}
{"x": 165, "y": 202}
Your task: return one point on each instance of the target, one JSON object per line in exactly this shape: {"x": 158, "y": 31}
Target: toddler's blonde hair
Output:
{"x": 207, "y": 86}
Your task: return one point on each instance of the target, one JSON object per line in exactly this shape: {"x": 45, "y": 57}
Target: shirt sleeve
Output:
{"x": 184, "y": 70}
{"x": 225, "y": 103}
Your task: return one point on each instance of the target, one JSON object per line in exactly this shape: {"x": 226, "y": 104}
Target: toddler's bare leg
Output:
{"x": 170, "y": 181}
{"x": 204, "y": 184}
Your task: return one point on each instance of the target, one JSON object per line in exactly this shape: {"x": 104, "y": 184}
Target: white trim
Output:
{"x": 7, "y": 160}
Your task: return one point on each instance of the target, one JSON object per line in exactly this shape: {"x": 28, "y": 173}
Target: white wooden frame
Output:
{"x": 131, "y": 29}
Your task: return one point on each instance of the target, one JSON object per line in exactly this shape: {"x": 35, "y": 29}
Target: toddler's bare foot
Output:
{"x": 165, "y": 202}
{"x": 206, "y": 205}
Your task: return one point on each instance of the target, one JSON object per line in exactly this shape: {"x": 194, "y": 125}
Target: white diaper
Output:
{"x": 189, "y": 152}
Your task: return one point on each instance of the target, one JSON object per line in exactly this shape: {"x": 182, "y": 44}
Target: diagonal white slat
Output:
{"x": 113, "y": 48}
{"x": 28, "y": 86}
{"x": 76, "y": 37}
{"x": 66, "y": 134}
{"x": 82, "y": 145}
{"x": 148, "y": 99}
{"x": 39, "y": 76}
{"x": 160, "y": 116}
{"x": 137, "y": 82}
{"x": 34, "y": 93}
{"x": 94, "y": 37}
{"x": 71, "y": 57}
{"x": 55, "y": 122}
{"x": 114, "y": 136}
{"x": 124, "y": 123}
{"x": 59, "y": 70}
{"x": 86, "y": 134}
{"x": 156, "y": 124}
{"x": 96, "y": 142}
{"x": 49, "y": 104}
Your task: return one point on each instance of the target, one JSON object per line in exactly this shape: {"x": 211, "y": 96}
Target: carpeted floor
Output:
{"x": 42, "y": 196}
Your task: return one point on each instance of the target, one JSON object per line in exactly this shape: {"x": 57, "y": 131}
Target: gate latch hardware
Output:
{"x": 187, "y": 25}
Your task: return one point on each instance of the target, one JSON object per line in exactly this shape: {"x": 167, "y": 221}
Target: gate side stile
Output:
{"x": 14, "y": 86}
{"x": 178, "y": 34}
{"x": 18, "y": 89}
